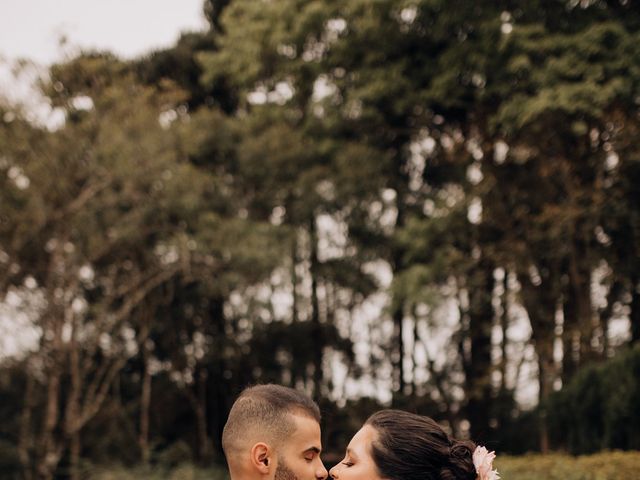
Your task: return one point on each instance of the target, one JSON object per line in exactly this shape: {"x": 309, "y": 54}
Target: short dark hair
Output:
{"x": 414, "y": 447}
{"x": 264, "y": 411}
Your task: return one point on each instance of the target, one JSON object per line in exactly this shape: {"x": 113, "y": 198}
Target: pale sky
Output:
{"x": 32, "y": 28}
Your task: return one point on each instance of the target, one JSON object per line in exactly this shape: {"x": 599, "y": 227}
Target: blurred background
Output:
{"x": 426, "y": 204}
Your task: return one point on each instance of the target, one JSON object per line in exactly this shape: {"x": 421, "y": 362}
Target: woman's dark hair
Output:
{"x": 413, "y": 447}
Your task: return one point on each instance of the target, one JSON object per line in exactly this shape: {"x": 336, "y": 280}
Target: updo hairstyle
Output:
{"x": 414, "y": 447}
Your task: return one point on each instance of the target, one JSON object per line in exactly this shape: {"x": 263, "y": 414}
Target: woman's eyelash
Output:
{"x": 348, "y": 464}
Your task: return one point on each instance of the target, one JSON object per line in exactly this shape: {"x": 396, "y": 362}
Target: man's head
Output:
{"x": 273, "y": 432}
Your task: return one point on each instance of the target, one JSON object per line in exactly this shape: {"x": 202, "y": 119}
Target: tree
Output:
{"x": 104, "y": 216}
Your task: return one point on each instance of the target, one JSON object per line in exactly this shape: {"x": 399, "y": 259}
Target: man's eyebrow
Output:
{"x": 313, "y": 449}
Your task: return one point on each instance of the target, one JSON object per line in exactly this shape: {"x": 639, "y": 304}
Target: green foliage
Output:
{"x": 291, "y": 345}
{"x": 9, "y": 461}
{"x": 178, "y": 64}
{"x": 176, "y": 454}
{"x": 598, "y": 408}
{"x": 577, "y": 75}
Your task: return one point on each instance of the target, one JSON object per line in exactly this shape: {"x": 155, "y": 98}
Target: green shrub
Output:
{"x": 9, "y": 462}
{"x": 176, "y": 454}
{"x": 598, "y": 409}
{"x": 602, "y": 466}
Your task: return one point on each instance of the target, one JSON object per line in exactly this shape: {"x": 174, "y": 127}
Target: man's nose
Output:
{"x": 321, "y": 472}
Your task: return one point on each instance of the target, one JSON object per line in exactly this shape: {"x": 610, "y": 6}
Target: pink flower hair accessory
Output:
{"x": 483, "y": 461}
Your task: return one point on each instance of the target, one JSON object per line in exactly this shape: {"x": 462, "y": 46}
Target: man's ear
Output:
{"x": 262, "y": 458}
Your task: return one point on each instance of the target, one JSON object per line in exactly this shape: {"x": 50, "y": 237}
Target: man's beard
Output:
{"x": 283, "y": 472}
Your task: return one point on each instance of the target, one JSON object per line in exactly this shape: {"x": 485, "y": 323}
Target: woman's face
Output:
{"x": 358, "y": 463}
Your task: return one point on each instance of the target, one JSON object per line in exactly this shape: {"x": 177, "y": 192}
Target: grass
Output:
{"x": 183, "y": 472}
{"x": 601, "y": 466}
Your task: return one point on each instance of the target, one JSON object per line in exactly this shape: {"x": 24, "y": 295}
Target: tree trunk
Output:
{"x": 540, "y": 303}
{"x": 217, "y": 403}
{"x": 219, "y": 409}
{"x": 504, "y": 326}
{"x": 570, "y": 337}
{"x": 74, "y": 455}
{"x": 397, "y": 315}
{"x": 399, "y": 183}
{"x": 587, "y": 329}
{"x": 25, "y": 441}
{"x": 294, "y": 280}
{"x": 145, "y": 402}
{"x": 415, "y": 387}
{"x": 49, "y": 449}
{"x": 318, "y": 344}
{"x": 398, "y": 333}
{"x": 478, "y": 365}
{"x": 72, "y": 411}
{"x": 634, "y": 315}
{"x": 198, "y": 402}
{"x": 546, "y": 378}
{"x": 48, "y": 454}
{"x": 578, "y": 312}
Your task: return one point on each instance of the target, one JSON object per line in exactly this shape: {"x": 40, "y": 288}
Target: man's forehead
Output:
{"x": 304, "y": 422}
{"x": 306, "y": 432}
{"x": 300, "y": 413}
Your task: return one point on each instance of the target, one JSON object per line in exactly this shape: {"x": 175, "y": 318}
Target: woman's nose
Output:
{"x": 333, "y": 472}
